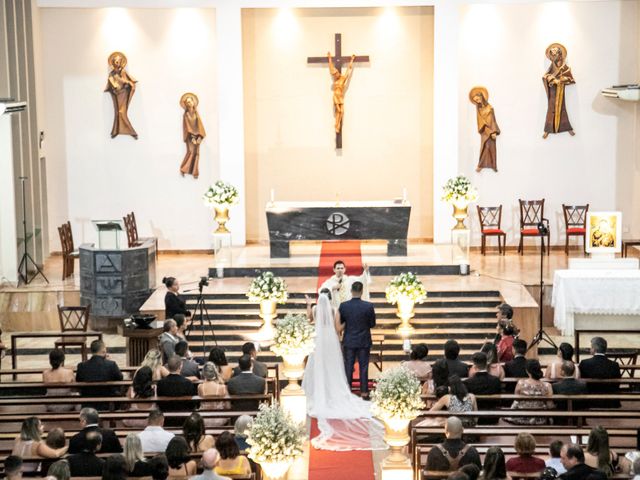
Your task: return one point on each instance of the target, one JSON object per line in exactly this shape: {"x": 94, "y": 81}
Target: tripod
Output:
{"x": 202, "y": 313}
{"x": 26, "y": 258}
{"x": 542, "y": 336}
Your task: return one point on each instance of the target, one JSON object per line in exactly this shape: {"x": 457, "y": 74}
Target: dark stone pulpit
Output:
{"x": 295, "y": 221}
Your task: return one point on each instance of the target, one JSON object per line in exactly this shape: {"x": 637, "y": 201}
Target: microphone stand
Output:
{"x": 26, "y": 258}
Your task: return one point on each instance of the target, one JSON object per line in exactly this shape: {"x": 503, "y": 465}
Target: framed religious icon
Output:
{"x": 604, "y": 232}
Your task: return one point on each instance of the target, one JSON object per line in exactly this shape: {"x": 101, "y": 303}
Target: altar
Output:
{"x": 377, "y": 220}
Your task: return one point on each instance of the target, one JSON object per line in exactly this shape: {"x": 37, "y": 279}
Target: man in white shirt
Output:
{"x": 554, "y": 457}
{"x": 340, "y": 284}
{"x": 154, "y": 438}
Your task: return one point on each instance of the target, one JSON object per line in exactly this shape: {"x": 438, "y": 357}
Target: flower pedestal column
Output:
{"x": 267, "y": 313}
{"x": 396, "y": 465}
{"x": 292, "y": 397}
{"x": 405, "y": 313}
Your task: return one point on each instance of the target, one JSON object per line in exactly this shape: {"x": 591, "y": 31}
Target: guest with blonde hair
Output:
{"x": 137, "y": 465}
{"x": 153, "y": 360}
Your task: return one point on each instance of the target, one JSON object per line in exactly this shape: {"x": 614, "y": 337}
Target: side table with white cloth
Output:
{"x": 596, "y": 300}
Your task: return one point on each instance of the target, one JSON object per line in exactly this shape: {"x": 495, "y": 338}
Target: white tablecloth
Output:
{"x": 604, "y": 292}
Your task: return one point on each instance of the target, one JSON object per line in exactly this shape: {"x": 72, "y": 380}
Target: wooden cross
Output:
{"x": 338, "y": 62}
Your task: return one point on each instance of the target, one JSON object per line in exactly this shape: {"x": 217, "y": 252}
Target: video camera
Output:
{"x": 204, "y": 282}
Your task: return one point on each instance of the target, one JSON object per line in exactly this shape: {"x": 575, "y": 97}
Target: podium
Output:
{"x": 109, "y": 233}
{"x": 139, "y": 341}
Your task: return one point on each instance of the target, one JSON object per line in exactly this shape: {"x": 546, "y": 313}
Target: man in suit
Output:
{"x": 175, "y": 385}
{"x": 569, "y": 385}
{"x": 453, "y": 453}
{"x": 245, "y": 383}
{"x": 86, "y": 463}
{"x": 517, "y": 367}
{"x": 99, "y": 369}
{"x": 599, "y": 366}
{"x": 190, "y": 369}
{"x": 455, "y": 366}
{"x": 483, "y": 383}
{"x": 357, "y": 318}
{"x": 259, "y": 368}
{"x": 572, "y": 458}
{"x": 89, "y": 421}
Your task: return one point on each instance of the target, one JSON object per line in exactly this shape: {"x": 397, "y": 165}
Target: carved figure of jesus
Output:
{"x": 121, "y": 86}
{"x": 340, "y": 84}
{"x": 487, "y": 128}
{"x": 557, "y": 77}
{"x": 193, "y": 133}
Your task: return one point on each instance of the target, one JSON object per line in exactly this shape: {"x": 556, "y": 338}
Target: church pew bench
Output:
{"x": 437, "y": 475}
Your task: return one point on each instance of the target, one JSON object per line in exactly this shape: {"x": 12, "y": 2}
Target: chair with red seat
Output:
{"x": 532, "y": 215}
{"x": 490, "y": 219}
{"x": 575, "y": 222}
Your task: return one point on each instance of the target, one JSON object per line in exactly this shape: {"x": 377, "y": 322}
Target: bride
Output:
{"x": 344, "y": 419}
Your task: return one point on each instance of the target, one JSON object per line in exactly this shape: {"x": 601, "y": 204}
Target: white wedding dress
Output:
{"x": 344, "y": 420}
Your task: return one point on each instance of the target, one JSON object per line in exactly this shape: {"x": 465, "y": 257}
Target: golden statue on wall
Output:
{"x": 487, "y": 128}
{"x": 121, "y": 86}
{"x": 192, "y": 134}
{"x": 557, "y": 77}
{"x": 340, "y": 85}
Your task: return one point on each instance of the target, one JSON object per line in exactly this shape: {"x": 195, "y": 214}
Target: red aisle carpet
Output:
{"x": 327, "y": 465}
{"x": 324, "y": 464}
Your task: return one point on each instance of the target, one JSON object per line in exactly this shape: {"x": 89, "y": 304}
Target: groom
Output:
{"x": 357, "y": 318}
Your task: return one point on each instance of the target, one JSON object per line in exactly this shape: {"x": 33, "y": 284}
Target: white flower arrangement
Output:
{"x": 459, "y": 189}
{"x": 293, "y": 336}
{"x": 274, "y": 436}
{"x": 267, "y": 286}
{"x": 407, "y": 285}
{"x": 397, "y": 395}
{"x": 220, "y": 193}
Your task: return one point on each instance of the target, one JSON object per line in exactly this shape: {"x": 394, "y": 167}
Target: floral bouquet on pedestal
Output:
{"x": 459, "y": 190}
{"x": 397, "y": 395}
{"x": 267, "y": 287}
{"x": 293, "y": 336}
{"x": 407, "y": 286}
{"x": 221, "y": 193}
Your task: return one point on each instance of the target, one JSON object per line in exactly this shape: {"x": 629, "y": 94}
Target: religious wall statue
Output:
{"x": 192, "y": 133}
{"x": 121, "y": 86}
{"x": 340, "y": 84}
{"x": 487, "y": 128}
{"x": 557, "y": 77}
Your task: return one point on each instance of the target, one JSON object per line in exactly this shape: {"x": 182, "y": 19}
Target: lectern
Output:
{"x": 109, "y": 232}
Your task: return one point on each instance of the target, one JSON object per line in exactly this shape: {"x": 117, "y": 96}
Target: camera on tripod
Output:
{"x": 204, "y": 282}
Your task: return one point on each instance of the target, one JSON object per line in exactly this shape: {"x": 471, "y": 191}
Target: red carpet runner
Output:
{"x": 324, "y": 464}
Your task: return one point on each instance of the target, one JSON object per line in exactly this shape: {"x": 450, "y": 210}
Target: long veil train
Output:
{"x": 344, "y": 420}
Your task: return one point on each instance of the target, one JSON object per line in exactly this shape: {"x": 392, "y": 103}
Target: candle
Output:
{"x": 404, "y": 194}
{"x": 273, "y": 195}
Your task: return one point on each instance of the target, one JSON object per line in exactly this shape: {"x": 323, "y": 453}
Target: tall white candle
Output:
{"x": 404, "y": 194}
{"x": 273, "y": 195}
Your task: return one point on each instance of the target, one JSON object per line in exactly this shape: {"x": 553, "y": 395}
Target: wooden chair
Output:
{"x": 131, "y": 229}
{"x": 575, "y": 222}
{"x": 74, "y": 319}
{"x": 490, "y": 219}
{"x": 68, "y": 253}
{"x": 531, "y": 215}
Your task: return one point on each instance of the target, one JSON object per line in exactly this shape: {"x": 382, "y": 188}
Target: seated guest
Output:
{"x": 418, "y": 363}
{"x": 525, "y": 462}
{"x": 13, "y": 467}
{"x": 565, "y": 354}
{"x": 173, "y": 303}
{"x": 598, "y": 455}
{"x": 471, "y": 470}
{"x": 458, "y": 400}
{"x": 246, "y": 382}
{"x": 56, "y": 440}
{"x": 494, "y": 467}
{"x": 99, "y": 369}
{"x": 504, "y": 346}
{"x": 183, "y": 322}
{"x": 153, "y": 360}
{"x": 532, "y": 386}
{"x": 168, "y": 339}
{"x": 58, "y": 470}
{"x": 159, "y": 467}
{"x": 572, "y": 458}
{"x": 554, "y": 460}
{"x": 231, "y": 462}
{"x": 240, "y": 430}
{"x": 142, "y": 387}
{"x": 213, "y": 387}
{"x": 493, "y": 366}
{"x": 137, "y": 465}
{"x": 190, "y": 369}
{"x": 439, "y": 379}
{"x": 180, "y": 463}
{"x": 89, "y": 420}
{"x": 175, "y": 385}
{"x": 504, "y": 315}
{"x": 86, "y": 463}
{"x": 568, "y": 386}
{"x": 516, "y": 368}
{"x": 209, "y": 461}
{"x": 154, "y": 438}
{"x": 482, "y": 383}
{"x": 599, "y": 366}
{"x": 259, "y": 368}
{"x": 455, "y": 366}
{"x": 58, "y": 373}
{"x": 30, "y": 444}
{"x": 194, "y": 433}
{"x": 219, "y": 359}
{"x": 115, "y": 468}
{"x": 453, "y": 452}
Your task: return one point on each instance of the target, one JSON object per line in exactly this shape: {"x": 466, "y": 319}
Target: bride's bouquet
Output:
{"x": 406, "y": 286}
{"x": 220, "y": 193}
{"x": 293, "y": 336}
{"x": 267, "y": 286}
{"x": 397, "y": 395}
{"x": 274, "y": 436}
{"x": 459, "y": 189}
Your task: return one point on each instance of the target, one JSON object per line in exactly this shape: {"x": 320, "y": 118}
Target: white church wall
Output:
{"x": 502, "y": 47}
{"x": 90, "y": 175}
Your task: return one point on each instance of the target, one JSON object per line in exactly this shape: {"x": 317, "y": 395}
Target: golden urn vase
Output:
{"x": 276, "y": 470}
{"x": 396, "y": 435}
{"x": 221, "y": 217}
{"x": 405, "y": 312}
{"x": 460, "y": 213}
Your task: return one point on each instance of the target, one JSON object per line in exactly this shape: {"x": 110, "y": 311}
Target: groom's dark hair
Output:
{"x": 356, "y": 287}
{"x": 338, "y": 262}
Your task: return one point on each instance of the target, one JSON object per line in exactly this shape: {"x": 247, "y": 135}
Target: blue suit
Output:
{"x": 358, "y": 318}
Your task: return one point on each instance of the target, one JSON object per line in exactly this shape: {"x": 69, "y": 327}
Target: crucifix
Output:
{"x": 340, "y": 82}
